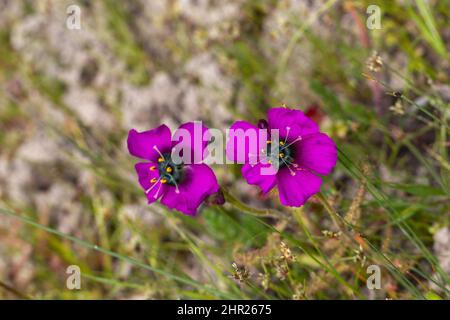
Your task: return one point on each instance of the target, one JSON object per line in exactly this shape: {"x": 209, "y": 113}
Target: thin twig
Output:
{"x": 14, "y": 291}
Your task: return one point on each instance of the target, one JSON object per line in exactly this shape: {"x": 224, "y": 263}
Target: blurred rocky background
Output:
{"x": 69, "y": 96}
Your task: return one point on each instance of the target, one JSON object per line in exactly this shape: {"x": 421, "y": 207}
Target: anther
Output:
{"x": 177, "y": 190}
{"x": 169, "y": 169}
{"x": 154, "y": 184}
{"x": 159, "y": 152}
{"x": 291, "y": 143}
{"x": 155, "y": 196}
{"x": 163, "y": 180}
{"x": 262, "y": 124}
{"x": 287, "y": 133}
{"x": 153, "y": 180}
{"x": 153, "y": 168}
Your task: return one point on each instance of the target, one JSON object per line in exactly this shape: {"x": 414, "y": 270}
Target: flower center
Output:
{"x": 169, "y": 172}
{"x": 285, "y": 153}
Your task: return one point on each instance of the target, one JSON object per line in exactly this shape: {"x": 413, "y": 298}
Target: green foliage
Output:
{"x": 384, "y": 203}
{"x": 124, "y": 43}
{"x": 233, "y": 229}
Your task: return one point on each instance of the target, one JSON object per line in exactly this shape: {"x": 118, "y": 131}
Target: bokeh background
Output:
{"x": 68, "y": 192}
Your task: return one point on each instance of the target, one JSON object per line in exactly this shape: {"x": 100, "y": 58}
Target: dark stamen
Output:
{"x": 285, "y": 153}
{"x": 262, "y": 124}
{"x": 170, "y": 172}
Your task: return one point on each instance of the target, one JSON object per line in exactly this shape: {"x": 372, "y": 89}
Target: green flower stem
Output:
{"x": 247, "y": 209}
{"x": 376, "y": 255}
{"x": 78, "y": 241}
{"x": 337, "y": 219}
{"x": 14, "y": 291}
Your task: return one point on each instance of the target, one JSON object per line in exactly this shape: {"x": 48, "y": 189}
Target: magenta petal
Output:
{"x": 199, "y": 183}
{"x": 196, "y": 141}
{"x": 316, "y": 152}
{"x": 143, "y": 144}
{"x": 154, "y": 190}
{"x": 243, "y": 145}
{"x": 255, "y": 175}
{"x": 294, "y": 121}
{"x": 296, "y": 190}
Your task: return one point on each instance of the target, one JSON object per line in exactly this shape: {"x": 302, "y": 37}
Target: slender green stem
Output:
{"x": 14, "y": 291}
{"x": 341, "y": 225}
{"x": 285, "y": 56}
{"x": 337, "y": 219}
{"x": 115, "y": 254}
{"x": 235, "y": 202}
{"x": 328, "y": 265}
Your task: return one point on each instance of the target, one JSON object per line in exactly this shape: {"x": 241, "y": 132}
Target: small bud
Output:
{"x": 263, "y": 124}
{"x": 215, "y": 199}
{"x": 331, "y": 234}
{"x": 240, "y": 274}
{"x": 359, "y": 256}
{"x": 374, "y": 63}
{"x": 265, "y": 280}
{"x": 282, "y": 271}
{"x": 286, "y": 252}
{"x": 398, "y": 108}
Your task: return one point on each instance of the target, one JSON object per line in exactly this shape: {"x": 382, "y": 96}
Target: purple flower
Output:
{"x": 181, "y": 186}
{"x": 302, "y": 153}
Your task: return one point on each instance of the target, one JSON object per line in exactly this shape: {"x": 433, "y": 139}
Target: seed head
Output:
{"x": 374, "y": 63}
